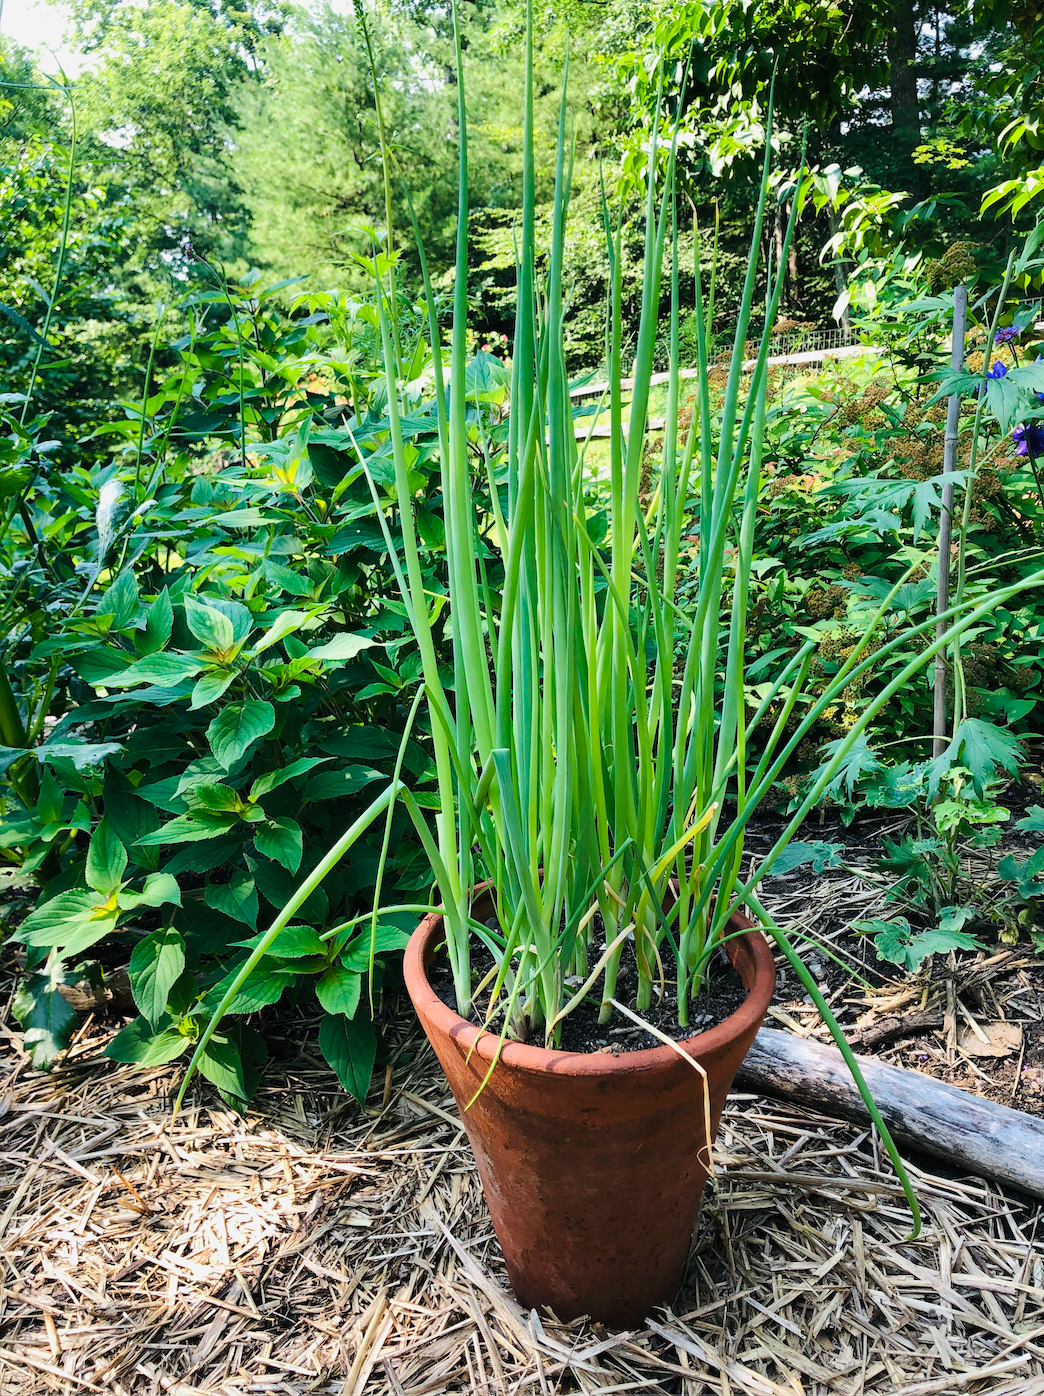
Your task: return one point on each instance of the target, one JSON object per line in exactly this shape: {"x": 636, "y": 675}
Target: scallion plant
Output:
{"x": 594, "y": 749}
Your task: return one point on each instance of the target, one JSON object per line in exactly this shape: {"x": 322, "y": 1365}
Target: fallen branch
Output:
{"x": 891, "y": 1029}
{"x": 989, "y": 1140}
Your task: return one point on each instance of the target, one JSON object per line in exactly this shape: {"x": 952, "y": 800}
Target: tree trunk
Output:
{"x": 902, "y": 84}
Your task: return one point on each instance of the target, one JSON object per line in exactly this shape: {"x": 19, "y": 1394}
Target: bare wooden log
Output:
{"x": 987, "y": 1139}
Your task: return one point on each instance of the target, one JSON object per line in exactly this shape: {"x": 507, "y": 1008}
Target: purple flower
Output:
{"x": 1029, "y": 439}
{"x": 998, "y": 370}
{"x": 1006, "y": 335}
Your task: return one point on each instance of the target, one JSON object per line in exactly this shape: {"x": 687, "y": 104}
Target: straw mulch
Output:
{"x": 311, "y": 1247}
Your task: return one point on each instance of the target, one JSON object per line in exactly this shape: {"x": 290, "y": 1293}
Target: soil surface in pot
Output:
{"x": 721, "y": 995}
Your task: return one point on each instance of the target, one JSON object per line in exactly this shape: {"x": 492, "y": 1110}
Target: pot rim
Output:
{"x": 524, "y": 1056}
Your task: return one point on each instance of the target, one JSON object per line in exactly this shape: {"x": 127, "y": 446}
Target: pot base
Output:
{"x": 592, "y": 1165}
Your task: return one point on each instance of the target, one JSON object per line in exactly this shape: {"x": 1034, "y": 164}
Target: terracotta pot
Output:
{"x": 592, "y": 1165}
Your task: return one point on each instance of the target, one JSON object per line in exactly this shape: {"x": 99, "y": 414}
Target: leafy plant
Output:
{"x": 899, "y": 945}
{"x": 192, "y": 700}
{"x": 580, "y": 767}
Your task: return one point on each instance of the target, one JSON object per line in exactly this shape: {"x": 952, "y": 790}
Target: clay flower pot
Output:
{"x": 592, "y": 1165}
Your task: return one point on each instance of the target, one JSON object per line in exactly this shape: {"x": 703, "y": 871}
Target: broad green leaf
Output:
{"x": 1033, "y": 822}
{"x": 222, "y": 1065}
{"x": 145, "y": 1045}
{"x": 350, "y": 1047}
{"x": 955, "y": 918}
{"x": 241, "y": 616}
{"x": 211, "y": 686}
{"x": 190, "y": 828}
{"x": 292, "y": 943}
{"x": 890, "y": 937}
{"x": 284, "y": 625}
{"x": 984, "y": 749}
{"x": 857, "y": 762}
{"x": 160, "y": 888}
{"x": 10, "y": 754}
{"x": 211, "y": 795}
{"x": 120, "y": 600}
{"x": 159, "y": 623}
{"x": 898, "y": 944}
{"x": 45, "y": 1017}
{"x": 203, "y": 859}
{"x": 81, "y": 754}
{"x": 280, "y": 839}
{"x": 210, "y": 627}
{"x": 276, "y": 884}
{"x": 156, "y": 963}
{"x": 1004, "y": 399}
{"x": 338, "y": 990}
{"x": 271, "y": 779}
{"x": 938, "y": 942}
{"x": 1025, "y": 872}
{"x": 99, "y": 664}
{"x": 356, "y": 954}
{"x": 236, "y": 898}
{"x": 335, "y": 785}
{"x": 50, "y": 923}
{"x": 820, "y": 855}
{"x": 341, "y": 648}
{"x": 165, "y": 670}
{"x": 895, "y": 787}
{"x": 237, "y": 727}
{"x": 951, "y": 814}
{"x": 264, "y": 986}
{"x": 286, "y": 579}
{"x": 106, "y": 859}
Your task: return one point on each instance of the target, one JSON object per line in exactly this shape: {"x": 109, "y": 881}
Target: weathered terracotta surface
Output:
{"x": 592, "y": 1165}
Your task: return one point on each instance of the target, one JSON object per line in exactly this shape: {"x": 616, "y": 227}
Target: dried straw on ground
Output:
{"x": 309, "y": 1248}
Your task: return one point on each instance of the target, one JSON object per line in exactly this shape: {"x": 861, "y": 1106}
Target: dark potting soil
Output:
{"x": 721, "y": 994}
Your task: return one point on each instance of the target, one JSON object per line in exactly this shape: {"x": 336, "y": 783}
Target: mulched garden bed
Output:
{"x": 932, "y": 1022}
{"x": 311, "y": 1247}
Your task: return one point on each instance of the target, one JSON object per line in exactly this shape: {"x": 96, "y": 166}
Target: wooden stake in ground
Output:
{"x": 953, "y": 411}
